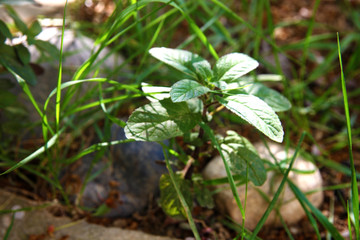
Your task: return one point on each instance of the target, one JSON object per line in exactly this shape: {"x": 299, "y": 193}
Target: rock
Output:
{"x": 36, "y": 220}
{"x": 30, "y": 11}
{"x": 129, "y": 180}
{"x": 289, "y": 208}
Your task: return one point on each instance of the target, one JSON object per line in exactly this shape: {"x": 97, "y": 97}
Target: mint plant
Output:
{"x": 176, "y": 111}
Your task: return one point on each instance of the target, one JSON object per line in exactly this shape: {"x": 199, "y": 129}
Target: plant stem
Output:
{"x": 181, "y": 197}
{"x": 196, "y": 153}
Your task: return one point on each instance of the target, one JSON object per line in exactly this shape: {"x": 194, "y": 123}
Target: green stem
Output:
{"x": 354, "y": 204}
{"x": 181, "y": 197}
{"x": 210, "y": 133}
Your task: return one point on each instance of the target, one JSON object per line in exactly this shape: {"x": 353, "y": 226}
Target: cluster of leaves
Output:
{"x": 175, "y": 111}
{"x": 16, "y": 57}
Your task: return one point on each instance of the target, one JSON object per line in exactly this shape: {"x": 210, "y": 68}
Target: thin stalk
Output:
{"x": 331, "y": 216}
{"x": 196, "y": 153}
{"x": 180, "y": 195}
{"x": 349, "y": 219}
{"x": 58, "y": 92}
{"x": 233, "y": 188}
{"x": 8, "y": 230}
{"x": 279, "y": 190}
{"x": 354, "y": 204}
{"x": 33, "y": 155}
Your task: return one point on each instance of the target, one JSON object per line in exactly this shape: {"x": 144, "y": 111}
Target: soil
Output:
{"x": 213, "y": 224}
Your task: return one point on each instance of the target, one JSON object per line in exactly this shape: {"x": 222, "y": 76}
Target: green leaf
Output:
{"x": 9, "y": 59}
{"x": 195, "y": 105}
{"x": 203, "y": 196}
{"x": 47, "y": 47}
{"x": 242, "y": 156}
{"x": 184, "y": 61}
{"x": 34, "y": 30}
{"x": 263, "y": 78}
{"x": 232, "y": 66}
{"x": 22, "y": 53}
{"x": 157, "y": 92}
{"x": 169, "y": 200}
{"x": 18, "y": 22}
{"x": 4, "y": 30}
{"x": 221, "y": 85}
{"x": 2, "y": 38}
{"x": 274, "y": 99}
{"x": 256, "y": 112}
{"x": 7, "y": 99}
{"x": 186, "y": 89}
{"x": 162, "y": 120}
{"x": 101, "y": 210}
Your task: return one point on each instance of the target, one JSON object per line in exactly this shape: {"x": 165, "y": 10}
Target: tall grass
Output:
{"x": 354, "y": 193}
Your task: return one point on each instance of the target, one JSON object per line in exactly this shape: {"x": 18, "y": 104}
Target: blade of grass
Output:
{"x": 311, "y": 220}
{"x": 151, "y": 43}
{"x": 95, "y": 147}
{"x": 327, "y": 64}
{"x": 8, "y": 230}
{"x": 331, "y": 215}
{"x": 54, "y": 165}
{"x": 207, "y": 25}
{"x": 106, "y": 38}
{"x": 286, "y": 228}
{"x": 303, "y": 204}
{"x": 58, "y": 92}
{"x": 27, "y": 91}
{"x": 233, "y": 188}
{"x": 125, "y": 15}
{"x": 253, "y": 29}
{"x": 112, "y": 118}
{"x": 317, "y": 213}
{"x": 259, "y": 11}
{"x": 349, "y": 219}
{"x": 180, "y": 195}
{"x": 337, "y": 166}
{"x": 354, "y": 204}
{"x": 278, "y": 192}
{"x": 218, "y": 27}
{"x": 236, "y": 227}
{"x": 74, "y": 109}
{"x": 41, "y": 150}
{"x": 97, "y": 103}
{"x": 199, "y": 34}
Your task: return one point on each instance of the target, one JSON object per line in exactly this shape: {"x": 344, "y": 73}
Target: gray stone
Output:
{"x": 29, "y": 11}
{"x": 130, "y": 177}
{"x": 37, "y": 219}
{"x": 288, "y": 206}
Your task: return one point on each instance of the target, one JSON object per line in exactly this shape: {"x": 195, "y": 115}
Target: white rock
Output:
{"x": 288, "y": 206}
